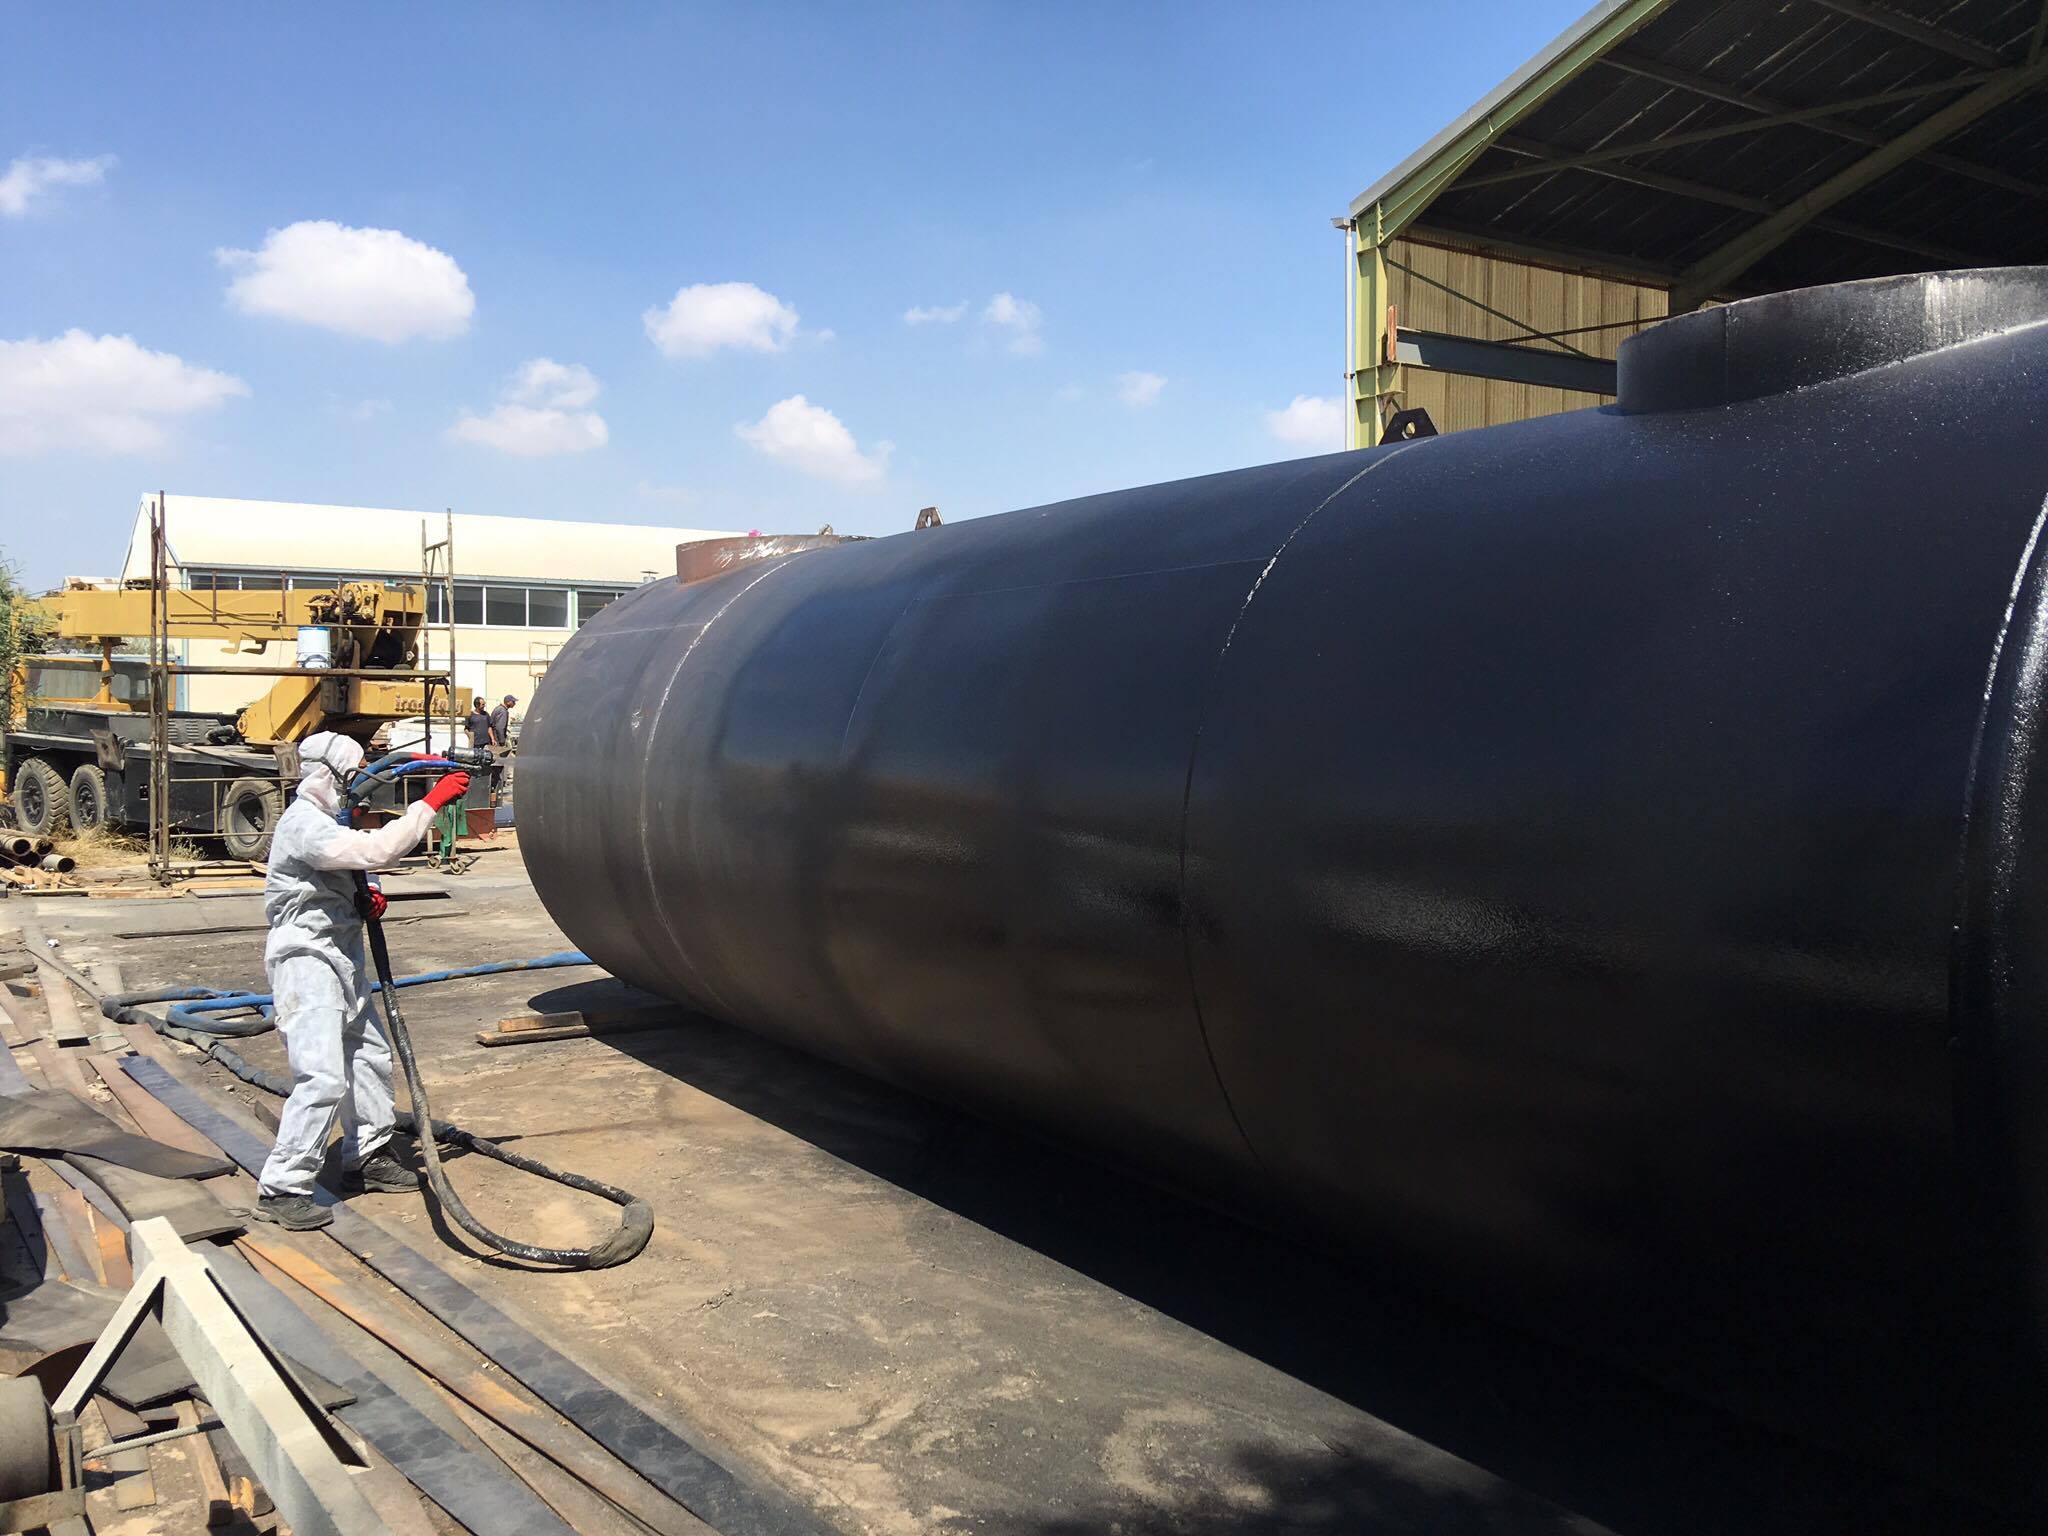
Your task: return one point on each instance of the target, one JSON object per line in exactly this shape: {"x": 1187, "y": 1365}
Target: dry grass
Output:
{"x": 100, "y": 848}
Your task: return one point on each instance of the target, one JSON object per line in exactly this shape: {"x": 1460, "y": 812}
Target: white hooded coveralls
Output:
{"x": 319, "y": 978}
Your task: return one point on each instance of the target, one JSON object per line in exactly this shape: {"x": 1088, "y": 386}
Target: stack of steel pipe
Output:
{"x": 1595, "y": 868}
{"x": 18, "y": 850}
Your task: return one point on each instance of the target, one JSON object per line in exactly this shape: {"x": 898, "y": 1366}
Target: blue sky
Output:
{"x": 652, "y": 264}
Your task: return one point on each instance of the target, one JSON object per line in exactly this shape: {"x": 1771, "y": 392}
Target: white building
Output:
{"x": 522, "y": 585}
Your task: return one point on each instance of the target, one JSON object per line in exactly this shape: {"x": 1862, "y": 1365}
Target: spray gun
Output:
{"x": 636, "y": 1218}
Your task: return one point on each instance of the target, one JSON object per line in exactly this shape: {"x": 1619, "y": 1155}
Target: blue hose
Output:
{"x": 187, "y": 1021}
{"x": 395, "y": 765}
{"x": 190, "y": 1005}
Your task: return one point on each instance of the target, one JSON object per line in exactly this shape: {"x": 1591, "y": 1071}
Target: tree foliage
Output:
{"x": 23, "y": 632}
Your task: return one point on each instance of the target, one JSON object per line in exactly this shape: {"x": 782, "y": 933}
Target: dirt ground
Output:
{"x": 918, "y": 1322}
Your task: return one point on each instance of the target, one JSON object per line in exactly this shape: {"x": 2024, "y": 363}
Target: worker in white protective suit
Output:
{"x": 315, "y": 904}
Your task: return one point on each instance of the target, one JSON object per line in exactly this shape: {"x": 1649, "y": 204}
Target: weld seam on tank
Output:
{"x": 660, "y": 908}
{"x": 1995, "y": 1013}
{"x": 1187, "y": 790}
{"x": 874, "y": 661}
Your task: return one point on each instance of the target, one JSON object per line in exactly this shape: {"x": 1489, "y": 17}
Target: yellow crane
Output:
{"x": 371, "y": 628}
{"x": 79, "y": 742}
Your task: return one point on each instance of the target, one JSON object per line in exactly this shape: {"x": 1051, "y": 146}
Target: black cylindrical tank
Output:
{"x": 1586, "y": 866}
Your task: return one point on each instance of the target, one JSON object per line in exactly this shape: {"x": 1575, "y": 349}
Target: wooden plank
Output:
{"x": 687, "y": 1474}
{"x": 62, "y": 1070}
{"x": 113, "y": 1248}
{"x": 144, "y": 1041}
{"x": 246, "y": 1495}
{"x": 581, "y": 1507}
{"x": 68, "y": 1206}
{"x": 213, "y": 1487}
{"x": 524, "y": 1021}
{"x": 151, "y": 1118}
{"x": 463, "y": 1377}
{"x": 531, "y": 1028}
{"x": 533, "y": 1036}
{"x": 566, "y": 1031}
{"x": 633, "y": 1013}
{"x": 67, "y": 1025}
{"x": 135, "y": 1486}
{"x": 129, "y": 1478}
{"x": 21, "y": 1023}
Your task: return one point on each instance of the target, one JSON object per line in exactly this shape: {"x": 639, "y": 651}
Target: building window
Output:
{"x": 591, "y": 601}
{"x": 547, "y": 607}
{"x": 230, "y": 581}
{"x": 506, "y": 606}
{"x": 476, "y": 603}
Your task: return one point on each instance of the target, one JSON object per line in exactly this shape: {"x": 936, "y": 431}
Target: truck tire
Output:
{"x": 42, "y": 805}
{"x": 248, "y": 814}
{"x": 88, "y": 798}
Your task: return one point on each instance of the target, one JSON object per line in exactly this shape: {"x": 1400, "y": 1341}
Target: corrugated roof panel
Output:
{"x": 1708, "y": 65}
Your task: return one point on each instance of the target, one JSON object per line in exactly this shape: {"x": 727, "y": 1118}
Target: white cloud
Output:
{"x": 937, "y": 314}
{"x": 704, "y": 317}
{"x": 810, "y": 438}
{"x": 540, "y": 413}
{"x": 360, "y": 282}
{"x": 29, "y": 177}
{"x": 529, "y": 433}
{"x": 1309, "y": 421}
{"x": 104, "y": 394}
{"x": 543, "y": 381}
{"x": 1021, "y": 318}
{"x": 1139, "y": 389}
{"x": 368, "y": 410}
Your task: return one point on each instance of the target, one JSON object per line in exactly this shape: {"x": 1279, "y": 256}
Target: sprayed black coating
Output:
{"x": 1582, "y": 866}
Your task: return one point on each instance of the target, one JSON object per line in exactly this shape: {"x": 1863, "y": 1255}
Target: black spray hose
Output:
{"x": 212, "y": 1043}
{"x": 636, "y": 1217}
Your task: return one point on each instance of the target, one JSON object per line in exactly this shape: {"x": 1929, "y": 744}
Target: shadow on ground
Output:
{"x": 1595, "y": 1441}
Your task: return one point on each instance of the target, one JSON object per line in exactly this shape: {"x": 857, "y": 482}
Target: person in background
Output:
{"x": 340, "y": 1060}
{"x": 501, "y": 724}
{"x": 479, "y": 725}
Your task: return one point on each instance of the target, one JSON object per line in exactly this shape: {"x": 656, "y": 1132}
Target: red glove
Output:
{"x": 378, "y": 904}
{"x": 450, "y": 786}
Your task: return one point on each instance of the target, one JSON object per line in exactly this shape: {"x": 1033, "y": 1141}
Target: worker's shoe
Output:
{"x": 381, "y": 1174}
{"x": 295, "y": 1213}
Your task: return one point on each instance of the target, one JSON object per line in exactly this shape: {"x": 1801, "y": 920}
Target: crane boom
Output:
{"x": 371, "y": 627}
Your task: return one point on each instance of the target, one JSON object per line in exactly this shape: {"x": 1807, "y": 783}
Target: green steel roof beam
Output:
{"x": 1814, "y": 116}
{"x": 1735, "y": 96}
{"x": 1410, "y": 187}
{"x": 1721, "y": 197}
{"x": 1567, "y": 258}
{"x": 1714, "y": 271}
{"x": 1915, "y": 31}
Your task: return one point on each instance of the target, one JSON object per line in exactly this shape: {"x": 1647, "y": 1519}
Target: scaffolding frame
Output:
{"x": 437, "y": 572}
{"x": 164, "y": 674}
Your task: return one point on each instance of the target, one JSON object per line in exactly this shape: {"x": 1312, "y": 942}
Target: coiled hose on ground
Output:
{"x": 192, "y": 1020}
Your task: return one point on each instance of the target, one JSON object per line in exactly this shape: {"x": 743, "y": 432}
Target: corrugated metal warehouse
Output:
{"x": 1663, "y": 154}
